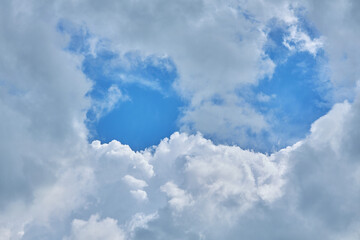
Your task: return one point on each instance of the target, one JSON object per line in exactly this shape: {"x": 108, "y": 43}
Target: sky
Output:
{"x": 201, "y": 119}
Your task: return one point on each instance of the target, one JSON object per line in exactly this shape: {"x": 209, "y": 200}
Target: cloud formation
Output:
{"x": 56, "y": 185}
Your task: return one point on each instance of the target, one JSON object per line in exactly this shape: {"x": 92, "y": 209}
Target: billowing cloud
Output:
{"x": 178, "y": 197}
{"x": 134, "y": 182}
{"x": 54, "y": 184}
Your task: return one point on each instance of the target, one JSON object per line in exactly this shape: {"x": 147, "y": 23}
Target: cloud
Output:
{"x": 95, "y": 229}
{"x": 302, "y": 191}
{"x": 337, "y": 21}
{"x": 139, "y": 221}
{"x": 215, "y": 48}
{"x": 178, "y": 197}
{"x": 298, "y": 40}
{"x": 115, "y": 151}
{"x": 218, "y": 50}
{"x": 139, "y": 195}
{"x": 229, "y": 120}
{"x": 134, "y": 182}
{"x": 55, "y": 185}
{"x": 226, "y": 174}
{"x": 42, "y": 102}
{"x": 113, "y": 97}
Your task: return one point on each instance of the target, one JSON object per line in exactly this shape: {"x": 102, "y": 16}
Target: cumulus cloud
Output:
{"x": 95, "y": 229}
{"x": 134, "y": 182}
{"x": 42, "y": 97}
{"x": 223, "y": 181}
{"x": 338, "y": 21}
{"x": 55, "y": 185}
{"x": 178, "y": 197}
{"x": 310, "y": 187}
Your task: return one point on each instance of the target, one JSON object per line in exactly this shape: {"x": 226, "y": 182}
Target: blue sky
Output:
{"x": 188, "y": 119}
{"x": 148, "y": 115}
{"x": 153, "y": 107}
{"x": 291, "y": 98}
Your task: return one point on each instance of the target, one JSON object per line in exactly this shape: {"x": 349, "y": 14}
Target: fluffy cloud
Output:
{"x": 223, "y": 181}
{"x": 178, "y": 197}
{"x": 307, "y": 190}
{"x": 228, "y": 120}
{"x": 314, "y": 182}
{"x": 134, "y": 182}
{"x": 42, "y": 102}
{"x": 55, "y": 185}
{"x": 338, "y": 21}
{"x": 95, "y": 229}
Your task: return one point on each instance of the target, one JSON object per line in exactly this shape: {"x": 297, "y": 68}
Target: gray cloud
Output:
{"x": 338, "y": 22}
{"x": 54, "y": 185}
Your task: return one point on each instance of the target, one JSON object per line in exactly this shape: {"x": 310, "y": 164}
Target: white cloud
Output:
{"x": 50, "y": 175}
{"x": 134, "y": 182}
{"x": 261, "y": 97}
{"x": 42, "y": 131}
{"x": 95, "y": 229}
{"x": 298, "y": 40}
{"x": 5, "y": 233}
{"x": 115, "y": 151}
{"x": 140, "y": 220}
{"x": 106, "y": 105}
{"x": 56, "y": 200}
{"x": 234, "y": 193}
{"x": 216, "y": 183}
{"x": 178, "y": 197}
{"x": 215, "y": 48}
{"x": 108, "y": 228}
{"x": 228, "y": 121}
{"x": 338, "y": 22}
{"x": 139, "y": 195}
